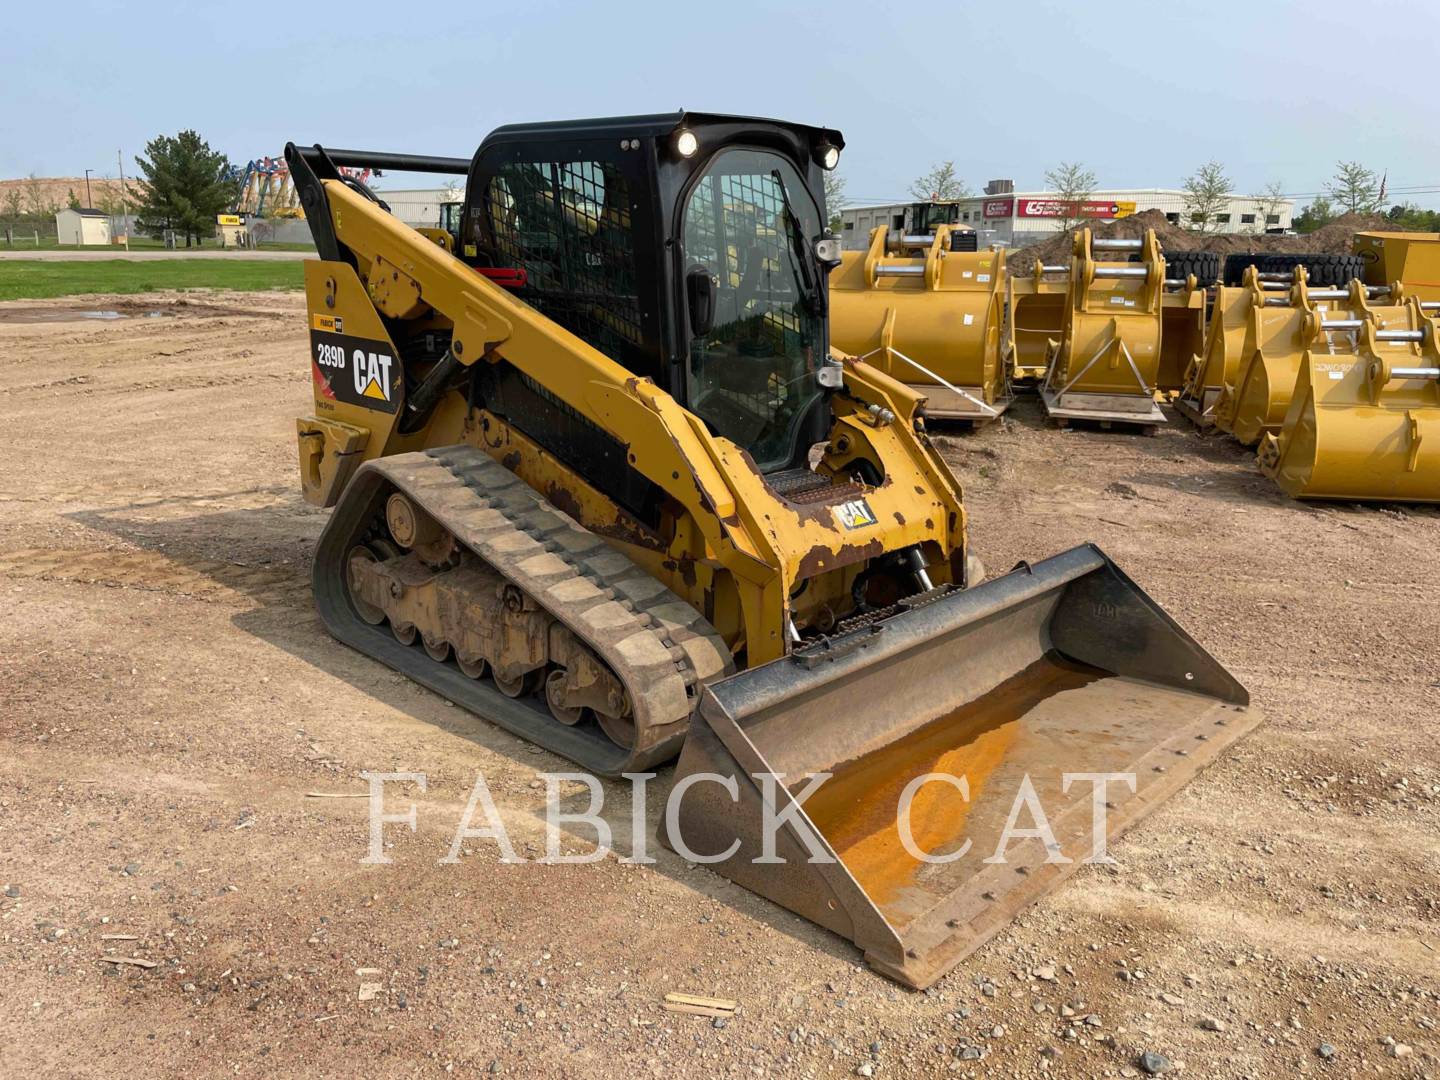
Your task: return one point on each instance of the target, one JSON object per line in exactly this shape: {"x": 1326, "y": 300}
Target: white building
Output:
{"x": 420, "y": 206}
{"x": 1016, "y": 218}
{"x": 83, "y": 227}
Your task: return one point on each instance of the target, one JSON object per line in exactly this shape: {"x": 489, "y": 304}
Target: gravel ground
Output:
{"x": 169, "y": 700}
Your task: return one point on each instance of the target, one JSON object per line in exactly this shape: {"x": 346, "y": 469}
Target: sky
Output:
{"x": 1141, "y": 93}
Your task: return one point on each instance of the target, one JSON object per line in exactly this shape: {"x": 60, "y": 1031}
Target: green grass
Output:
{"x": 137, "y": 243}
{"x": 39, "y": 279}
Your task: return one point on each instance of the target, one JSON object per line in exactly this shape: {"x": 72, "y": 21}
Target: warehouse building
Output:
{"x": 1015, "y": 218}
{"x": 419, "y": 207}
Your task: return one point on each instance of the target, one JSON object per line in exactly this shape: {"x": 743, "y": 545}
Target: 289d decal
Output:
{"x": 354, "y": 370}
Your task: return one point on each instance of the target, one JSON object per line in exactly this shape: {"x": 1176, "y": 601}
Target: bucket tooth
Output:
{"x": 1063, "y": 667}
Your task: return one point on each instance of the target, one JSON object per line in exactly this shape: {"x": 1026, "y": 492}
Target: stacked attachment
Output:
{"x": 929, "y": 315}
{"x": 1364, "y": 424}
{"x": 1106, "y": 365}
{"x": 1034, "y": 319}
{"x": 1320, "y": 319}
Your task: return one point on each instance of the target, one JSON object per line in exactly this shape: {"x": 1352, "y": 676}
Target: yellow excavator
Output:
{"x": 598, "y": 478}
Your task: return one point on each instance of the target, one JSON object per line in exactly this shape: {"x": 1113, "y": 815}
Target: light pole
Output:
{"x": 88, "y": 204}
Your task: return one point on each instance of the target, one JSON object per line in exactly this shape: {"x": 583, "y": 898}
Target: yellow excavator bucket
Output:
{"x": 1229, "y": 334}
{"x": 897, "y": 765}
{"x": 1365, "y": 426}
{"x": 1283, "y": 329}
{"x": 1106, "y": 364}
{"x": 1182, "y": 331}
{"x": 927, "y": 315}
{"x": 1034, "y": 319}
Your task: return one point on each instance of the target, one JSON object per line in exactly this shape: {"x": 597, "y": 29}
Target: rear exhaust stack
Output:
{"x": 1061, "y": 669}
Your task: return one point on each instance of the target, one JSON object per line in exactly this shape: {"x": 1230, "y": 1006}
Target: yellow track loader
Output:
{"x": 1106, "y": 364}
{"x": 928, "y": 315}
{"x": 598, "y": 478}
{"x": 1363, "y": 423}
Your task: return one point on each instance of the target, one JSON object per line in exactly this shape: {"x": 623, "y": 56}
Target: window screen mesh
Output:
{"x": 569, "y": 226}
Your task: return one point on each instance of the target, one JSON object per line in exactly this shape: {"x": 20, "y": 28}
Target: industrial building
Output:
{"x": 419, "y": 206}
{"x": 1014, "y": 218}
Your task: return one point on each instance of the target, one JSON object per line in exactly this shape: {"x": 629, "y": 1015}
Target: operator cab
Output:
{"x": 690, "y": 248}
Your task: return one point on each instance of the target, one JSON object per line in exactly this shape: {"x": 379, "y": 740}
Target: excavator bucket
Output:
{"x": 1022, "y": 690}
{"x": 1107, "y": 362}
{"x": 1035, "y": 317}
{"x": 1182, "y": 332}
{"x": 929, "y": 316}
{"x": 1216, "y": 363}
{"x": 1324, "y": 320}
{"x": 1365, "y": 426}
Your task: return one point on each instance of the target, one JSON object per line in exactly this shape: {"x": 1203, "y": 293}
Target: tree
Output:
{"x": 834, "y": 196}
{"x": 1206, "y": 192}
{"x": 1413, "y": 219}
{"x": 1073, "y": 184}
{"x": 14, "y": 202}
{"x": 185, "y": 184}
{"x": 73, "y": 202}
{"x": 1318, "y": 213}
{"x": 38, "y": 200}
{"x": 940, "y": 184}
{"x": 1269, "y": 203}
{"x": 1355, "y": 188}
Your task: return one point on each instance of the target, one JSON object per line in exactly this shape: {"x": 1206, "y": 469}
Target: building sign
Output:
{"x": 999, "y": 207}
{"x": 227, "y": 219}
{"x": 1057, "y": 208}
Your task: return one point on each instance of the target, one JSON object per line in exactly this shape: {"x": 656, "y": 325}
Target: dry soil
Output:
{"x": 168, "y": 701}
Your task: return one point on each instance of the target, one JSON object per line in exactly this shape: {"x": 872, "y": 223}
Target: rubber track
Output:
{"x": 660, "y": 648}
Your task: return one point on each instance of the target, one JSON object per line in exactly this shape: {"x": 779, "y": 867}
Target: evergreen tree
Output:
{"x": 185, "y": 185}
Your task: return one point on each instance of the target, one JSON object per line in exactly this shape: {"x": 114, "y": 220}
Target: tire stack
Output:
{"x": 1324, "y": 269}
{"x": 1205, "y": 265}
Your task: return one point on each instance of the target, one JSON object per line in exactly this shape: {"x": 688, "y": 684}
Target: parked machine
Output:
{"x": 1105, "y": 366}
{"x": 597, "y": 478}
{"x": 929, "y": 315}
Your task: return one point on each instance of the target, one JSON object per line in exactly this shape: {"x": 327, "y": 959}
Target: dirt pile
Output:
{"x": 47, "y": 195}
{"x": 1334, "y": 237}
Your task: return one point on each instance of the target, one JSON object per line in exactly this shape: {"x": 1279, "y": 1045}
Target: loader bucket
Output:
{"x": 1060, "y": 668}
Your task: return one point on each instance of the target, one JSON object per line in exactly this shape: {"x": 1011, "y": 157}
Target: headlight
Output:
{"x": 829, "y": 155}
{"x": 686, "y": 144}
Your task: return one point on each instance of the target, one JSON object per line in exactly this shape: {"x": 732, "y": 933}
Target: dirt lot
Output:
{"x": 169, "y": 699}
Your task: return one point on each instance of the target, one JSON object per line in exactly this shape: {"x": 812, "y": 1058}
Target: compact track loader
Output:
{"x": 930, "y": 316}
{"x": 597, "y": 477}
{"x": 1106, "y": 363}
{"x": 1363, "y": 424}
